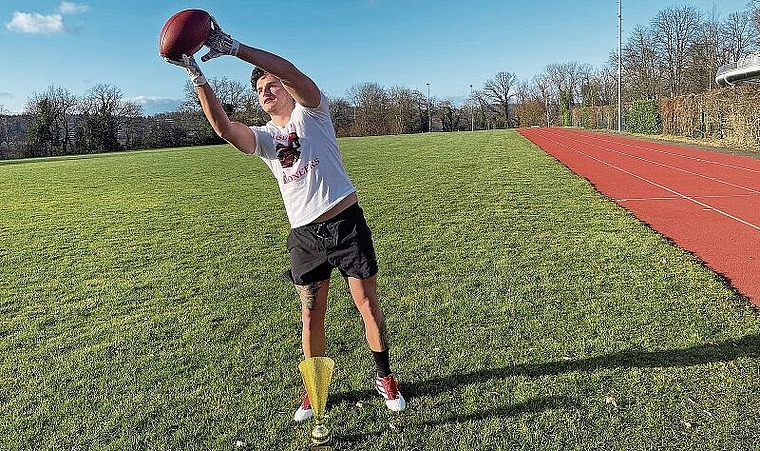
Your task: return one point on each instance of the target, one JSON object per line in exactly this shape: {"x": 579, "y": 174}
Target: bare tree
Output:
{"x": 704, "y": 56}
{"x": 450, "y": 116}
{"x": 544, "y": 86}
{"x": 579, "y": 74}
{"x": 342, "y": 116}
{"x": 530, "y": 108}
{"x": 594, "y": 89}
{"x": 67, "y": 105}
{"x": 421, "y": 108}
{"x": 606, "y": 78}
{"x": 486, "y": 116}
{"x": 739, "y": 36}
{"x": 566, "y": 78}
{"x": 108, "y": 99}
{"x": 234, "y": 96}
{"x": 641, "y": 65}
{"x": 404, "y": 109}
{"x": 675, "y": 32}
{"x": 498, "y": 92}
{"x": 371, "y": 108}
{"x": 753, "y": 7}
{"x": 108, "y": 118}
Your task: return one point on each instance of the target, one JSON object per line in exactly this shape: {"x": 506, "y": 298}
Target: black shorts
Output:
{"x": 343, "y": 242}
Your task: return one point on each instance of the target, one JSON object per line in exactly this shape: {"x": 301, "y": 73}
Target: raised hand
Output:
{"x": 191, "y": 67}
{"x": 219, "y": 42}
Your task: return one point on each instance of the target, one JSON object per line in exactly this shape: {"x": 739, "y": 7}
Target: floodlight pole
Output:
{"x": 620, "y": 66}
{"x": 430, "y": 120}
{"x": 472, "y": 110}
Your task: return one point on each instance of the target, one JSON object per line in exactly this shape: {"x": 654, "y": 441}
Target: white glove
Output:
{"x": 219, "y": 42}
{"x": 191, "y": 67}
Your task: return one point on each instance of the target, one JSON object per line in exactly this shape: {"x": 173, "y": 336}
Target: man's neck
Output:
{"x": 280, "y": 120}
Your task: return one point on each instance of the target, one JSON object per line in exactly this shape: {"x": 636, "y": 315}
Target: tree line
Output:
{"x": 676, "y": 53}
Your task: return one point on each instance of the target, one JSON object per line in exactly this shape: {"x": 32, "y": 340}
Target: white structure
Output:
{"x": 746, "y": 70}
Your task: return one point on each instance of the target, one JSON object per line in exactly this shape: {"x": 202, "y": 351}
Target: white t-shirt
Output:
{"x": 306, "y": 161}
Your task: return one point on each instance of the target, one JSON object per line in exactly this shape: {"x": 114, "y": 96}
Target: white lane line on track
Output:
{"x": 688, "y": 157}
{"x": 682, "y": 196}
{"x": 668, "y": 166}
{"x": 733, "y": 196}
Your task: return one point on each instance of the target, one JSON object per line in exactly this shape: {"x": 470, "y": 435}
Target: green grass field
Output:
{"x": 141, "y": 307}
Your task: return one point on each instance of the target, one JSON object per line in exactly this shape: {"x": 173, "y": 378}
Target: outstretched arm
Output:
{"x": 300, "y": 86}
{"x": 235, "y": 133}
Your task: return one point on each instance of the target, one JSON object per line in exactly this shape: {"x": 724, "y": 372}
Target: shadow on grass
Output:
{"x": 748, "y": 346}
{"x": 350, "y": 441}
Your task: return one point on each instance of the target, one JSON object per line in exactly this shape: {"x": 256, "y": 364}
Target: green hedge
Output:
{"x": 644, "y": 117}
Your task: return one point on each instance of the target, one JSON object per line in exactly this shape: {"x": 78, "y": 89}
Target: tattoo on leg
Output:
{"x": 383, "y": 335}
{"x": 308, "y": 294}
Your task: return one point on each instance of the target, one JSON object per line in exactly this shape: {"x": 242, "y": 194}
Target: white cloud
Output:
{"x": 72, "y": 8}
{"x": 36, "y": 23}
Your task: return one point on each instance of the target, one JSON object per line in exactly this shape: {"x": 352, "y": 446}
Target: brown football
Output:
{"x": 184, "y": 32}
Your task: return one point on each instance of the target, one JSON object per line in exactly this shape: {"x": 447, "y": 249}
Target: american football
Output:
{"x": 184, "y": 33}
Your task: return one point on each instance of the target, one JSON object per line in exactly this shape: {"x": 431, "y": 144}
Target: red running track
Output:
{"x": 708, "y": 203}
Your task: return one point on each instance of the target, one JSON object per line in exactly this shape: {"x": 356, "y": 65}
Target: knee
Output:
{"x": 310, "y": 321}
{"x": 367, "y": 304}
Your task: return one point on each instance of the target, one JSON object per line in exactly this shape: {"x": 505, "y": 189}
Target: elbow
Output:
{"x": 240, "y": 137}
{"x": 227, "y": 135}
{"x": 223, "y": 131}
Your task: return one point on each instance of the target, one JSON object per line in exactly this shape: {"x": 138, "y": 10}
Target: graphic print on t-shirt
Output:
{"x": 289, "y": 154}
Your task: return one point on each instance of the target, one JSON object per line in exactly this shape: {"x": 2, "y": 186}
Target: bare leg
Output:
{"x": 313, "y": 308}
{"x": 364, "y": 293}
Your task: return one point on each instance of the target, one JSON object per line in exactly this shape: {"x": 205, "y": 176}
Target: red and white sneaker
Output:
{"x": 304, "y": 411}
{"x": 388, "y": 389}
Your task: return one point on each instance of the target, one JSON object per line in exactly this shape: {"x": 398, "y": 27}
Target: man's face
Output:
{"x": 273, "y": 97}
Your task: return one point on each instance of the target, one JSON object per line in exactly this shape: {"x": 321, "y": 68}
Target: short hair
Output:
{"x": 256, "y": 74}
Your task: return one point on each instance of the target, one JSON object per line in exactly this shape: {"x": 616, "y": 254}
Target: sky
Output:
{"x": 338, "y": 43}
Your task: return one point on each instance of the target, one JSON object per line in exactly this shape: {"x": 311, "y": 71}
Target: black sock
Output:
{"x": 382, "y": 363}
